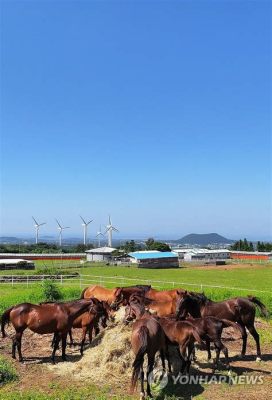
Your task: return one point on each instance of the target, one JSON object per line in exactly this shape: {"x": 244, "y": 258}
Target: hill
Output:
{"x": 204, "y": 239}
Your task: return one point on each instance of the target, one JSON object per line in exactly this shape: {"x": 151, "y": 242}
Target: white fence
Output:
{"x": 83, "y": 281}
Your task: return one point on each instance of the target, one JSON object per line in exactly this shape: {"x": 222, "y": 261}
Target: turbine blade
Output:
{"x": 43, "y": 223}
{"x": 35, "y": 221}
{"x": 83, "y": 220}
{"x": 58, "y": 223}
{"x": 91, "y": 220}
{"x": 115, "y": 229}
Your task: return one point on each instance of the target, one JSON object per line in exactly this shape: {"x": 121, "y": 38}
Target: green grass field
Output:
{"x": 256, "y": 280}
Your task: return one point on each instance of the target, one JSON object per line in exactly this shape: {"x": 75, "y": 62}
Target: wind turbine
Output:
{"x": 61, "y": 228}
{"x": 85, "y": 225}
{"x": 37, "y": 227}
{"x": 109, "y": 229}
{"x": 99, "y": 233}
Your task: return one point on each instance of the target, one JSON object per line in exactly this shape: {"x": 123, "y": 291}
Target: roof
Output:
{"x": 201, "y": 251}
{"x": 101, "y": 250}
{"x": 152, "y": 254}
{"x": 14, "y": 261}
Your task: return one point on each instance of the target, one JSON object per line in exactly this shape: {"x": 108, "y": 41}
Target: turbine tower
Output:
{"x": 99, "y": 233}
{"x": 61, "y": 228}
{"x": 85, "y": 225}
{"x": 109, "y": 230}
{"x": 37, "y": 227}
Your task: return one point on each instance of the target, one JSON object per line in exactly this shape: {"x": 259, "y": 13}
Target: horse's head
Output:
{"x": 181, "y": 304}
{"x": 133, "y": 311}
{"x": 118, "y": 300}
{"x": 95, "y": 306}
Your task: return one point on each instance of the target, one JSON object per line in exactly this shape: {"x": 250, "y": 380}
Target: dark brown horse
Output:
{"x": 210, "y": 330}
{"x": 240, "y": 310}
{"x": 54, "y": 318}
{"x": 182, "y": 334}
{"x": 147, "y": 338}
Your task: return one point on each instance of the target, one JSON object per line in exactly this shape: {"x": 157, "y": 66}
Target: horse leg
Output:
{"x": 168, "y": 358}
{"x": 162, "y": 359}
{"x": 217, "y": 352}
{"x": 56, "y": 345}
{"x": 84, "y": 331}
{"x": 71, "y": 338}
{"x": 14, "y": 344}
{"x": 18, "y": 339}
{"x": 208, "y": 345}
{"x": 90, "y": 332}
{"x": 256, "y": 337}
{"x": 226, "y": 354}
{"x": 142, "y": 396}
{"x": 183, "y": 358}
{"x": 63, "y": 345}
{"x": 149, "y": 370}
{"x": 244, "y": 338}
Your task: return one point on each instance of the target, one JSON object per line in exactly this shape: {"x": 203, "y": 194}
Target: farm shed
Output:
{"x": 154, "y": 259}
{"x": 16, "y": 263}
{"x": 100, "y": 254}
{"x": 195, "y": 254}
{"x": 251, "y": 255}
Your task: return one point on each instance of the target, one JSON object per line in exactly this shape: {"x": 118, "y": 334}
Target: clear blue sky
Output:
{"x": 155, "y": 112}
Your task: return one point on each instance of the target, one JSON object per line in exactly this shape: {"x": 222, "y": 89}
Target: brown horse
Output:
{"x": 240, "y": 310}
{"x": 43, "y": 319}
{"x": 182, "y": 334}
{"x": 210, "y": 330}
{"x": 160, "y": 308}
{"x": 122, "y": 295}
{"x": 147, "y": 338}
{"x": 88, "y": 322}
{"x": 163, "y": 295}
{"x": 114, "y": 296}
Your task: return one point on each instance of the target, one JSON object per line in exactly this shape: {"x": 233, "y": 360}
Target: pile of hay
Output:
{"x": 108, "y": 359}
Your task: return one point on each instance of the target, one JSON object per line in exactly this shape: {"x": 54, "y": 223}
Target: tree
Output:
{"x": 151, "y": 244}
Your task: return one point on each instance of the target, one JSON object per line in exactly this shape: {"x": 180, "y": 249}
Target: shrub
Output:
{"x": 7, "y": 372}
{"x": 51, "y": 291}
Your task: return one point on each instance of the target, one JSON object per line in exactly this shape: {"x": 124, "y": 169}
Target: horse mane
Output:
{"x": 199, "y": 297}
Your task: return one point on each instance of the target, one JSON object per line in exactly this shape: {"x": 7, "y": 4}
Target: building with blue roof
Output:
{"x": 154, "y": 259}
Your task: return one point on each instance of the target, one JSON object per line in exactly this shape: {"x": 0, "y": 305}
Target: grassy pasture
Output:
{"x": 254, "y": 278}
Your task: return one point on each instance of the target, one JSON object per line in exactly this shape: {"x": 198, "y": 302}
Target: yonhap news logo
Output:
{"x": 159, "y": 379}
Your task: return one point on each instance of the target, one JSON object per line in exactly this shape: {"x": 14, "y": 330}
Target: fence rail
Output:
{"x": 82, "y": 281}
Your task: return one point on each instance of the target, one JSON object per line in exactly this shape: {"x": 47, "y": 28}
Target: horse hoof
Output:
{"x": 229, "y": 372}
{"x": 142, "y": 396}
{"x": 258, "y": 359}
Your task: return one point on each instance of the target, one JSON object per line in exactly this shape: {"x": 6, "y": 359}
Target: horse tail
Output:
{"x": 4, "y": 320}
{"x": 143, "y": 335}
{"x": 260, "y": 305}
{"x": 227, "y": 323}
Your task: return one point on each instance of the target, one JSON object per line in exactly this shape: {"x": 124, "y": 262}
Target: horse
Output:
{"x": 123, "y": 294}
{"x": 147, "y": 338}
{"x": 114, "y": 296}
{"x": 210, "y": 330}
{"x": 163, "y": 295}
{"x": 54, "y": 318}
{"x": 182, "y": 334}
{"x": 88, "y": 321}
{"x": 241, "y": 310}
{"x": 160, "y": 308}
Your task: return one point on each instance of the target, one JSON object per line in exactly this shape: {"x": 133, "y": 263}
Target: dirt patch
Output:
{"x": 108, "y": 362}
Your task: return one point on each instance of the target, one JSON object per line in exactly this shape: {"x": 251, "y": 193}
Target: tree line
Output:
{"x": 245, "y": 245}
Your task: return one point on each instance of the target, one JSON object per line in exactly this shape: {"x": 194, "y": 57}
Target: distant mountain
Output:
{"x": 204, "y": 239}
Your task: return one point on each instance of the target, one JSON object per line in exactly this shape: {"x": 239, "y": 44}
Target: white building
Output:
{"x": 196, "y": 254}
{"x": 100, "y": 254}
